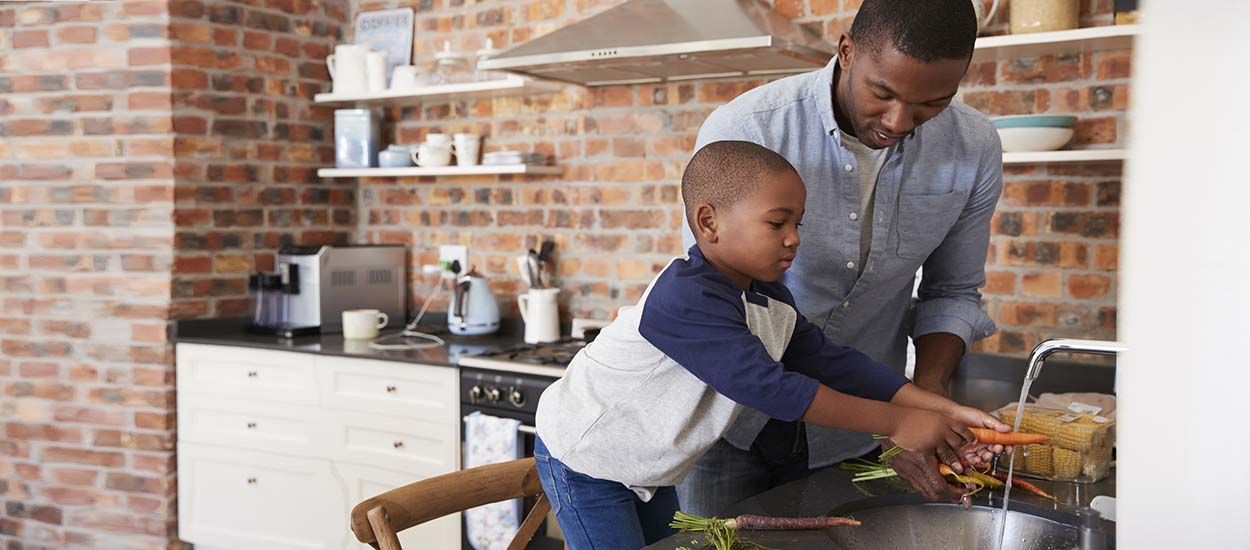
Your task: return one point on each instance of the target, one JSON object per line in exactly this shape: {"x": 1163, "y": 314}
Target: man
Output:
{"x": 899, "y": 178}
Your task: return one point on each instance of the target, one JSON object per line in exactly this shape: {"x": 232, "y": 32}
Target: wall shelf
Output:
{"x": 448, "y": 92}
{"x": 1089, "y": 39}
{"x": 417, "y": 171}
{"x": 1085, "y": 155}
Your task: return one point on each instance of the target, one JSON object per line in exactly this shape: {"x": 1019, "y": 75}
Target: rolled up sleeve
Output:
{"x": 949, "y": 298}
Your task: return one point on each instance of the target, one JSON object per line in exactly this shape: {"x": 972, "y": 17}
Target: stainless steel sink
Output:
{"x": 894, "y": 523}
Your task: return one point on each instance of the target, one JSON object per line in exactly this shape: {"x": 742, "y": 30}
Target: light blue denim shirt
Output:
{"x": 935, "y": 195}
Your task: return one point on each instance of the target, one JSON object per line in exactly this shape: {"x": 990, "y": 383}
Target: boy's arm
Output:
{"x": 912, "y": 429}
{"x": 842, "y": 368}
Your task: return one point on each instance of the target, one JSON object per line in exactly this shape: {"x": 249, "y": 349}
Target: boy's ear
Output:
{"x": 705, "y": 222}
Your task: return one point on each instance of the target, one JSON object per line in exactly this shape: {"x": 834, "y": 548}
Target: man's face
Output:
{"x": 758, "y": 236}
{"x": 887, "y": 94}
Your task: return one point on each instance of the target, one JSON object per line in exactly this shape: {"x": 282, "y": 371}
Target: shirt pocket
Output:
{"x": 924, "y": 220}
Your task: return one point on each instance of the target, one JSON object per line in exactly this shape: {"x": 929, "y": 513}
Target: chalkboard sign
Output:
{"x": 389, "y": 31}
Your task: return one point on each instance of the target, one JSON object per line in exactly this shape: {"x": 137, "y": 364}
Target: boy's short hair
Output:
{"x": 724, "y": 172}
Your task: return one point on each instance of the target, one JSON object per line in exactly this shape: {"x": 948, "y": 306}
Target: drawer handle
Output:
{"x": 398, "y": 444}
{"x": 391, "y": 389}
{"x": 251, "y": 374}
{"x": 251, "y": 425}
{"x": 251, "y": 481}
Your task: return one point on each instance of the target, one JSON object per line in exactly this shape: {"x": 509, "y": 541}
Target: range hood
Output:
{"x": 643, "y": 41}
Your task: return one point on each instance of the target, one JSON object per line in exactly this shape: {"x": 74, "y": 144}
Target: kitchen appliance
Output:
{"x": 320, "y": 282}
{"x": 656, "y": 40}
{"x": 473, "y": 309}
{"x": 507, "y": 384}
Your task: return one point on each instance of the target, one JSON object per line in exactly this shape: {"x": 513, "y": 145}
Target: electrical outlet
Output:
{"x": 453, "y": 253}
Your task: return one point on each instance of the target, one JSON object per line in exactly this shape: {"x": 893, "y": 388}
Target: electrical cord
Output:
{"x": 410, "y": 330}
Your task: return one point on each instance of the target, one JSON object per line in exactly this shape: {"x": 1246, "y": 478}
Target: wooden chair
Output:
{"x": 376, "y": 520}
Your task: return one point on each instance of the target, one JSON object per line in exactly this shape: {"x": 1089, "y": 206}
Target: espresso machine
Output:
{"x": 313, "y": 285}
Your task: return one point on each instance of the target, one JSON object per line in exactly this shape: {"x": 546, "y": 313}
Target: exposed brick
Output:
{"x": 1088, "y": 286}
{"x": 1046, "y": 284}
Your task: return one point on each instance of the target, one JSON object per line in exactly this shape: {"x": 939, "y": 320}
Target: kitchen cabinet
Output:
{"x": 275, "y": 448}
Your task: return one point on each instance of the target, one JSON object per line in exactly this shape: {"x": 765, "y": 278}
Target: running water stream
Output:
{"x": 1011, "y": 466}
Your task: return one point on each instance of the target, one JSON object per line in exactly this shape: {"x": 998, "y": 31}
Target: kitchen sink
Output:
{"x": 904, "y": 523}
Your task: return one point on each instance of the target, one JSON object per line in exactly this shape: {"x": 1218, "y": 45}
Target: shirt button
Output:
{"x": 854, "y": 216}
{"x": 846, "y": 305}
{"x": 848, "y": 167}
{"x": 850, "y": 265}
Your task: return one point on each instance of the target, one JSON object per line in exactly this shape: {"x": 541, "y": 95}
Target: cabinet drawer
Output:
{"x": 419, "y": 447}
{"x": 288, "y": 429}
{"x": 367, "y": 481}
{"x": 400, "y": 389}
{"x": 241, "y": 499}
{"x": 243, "y": 372}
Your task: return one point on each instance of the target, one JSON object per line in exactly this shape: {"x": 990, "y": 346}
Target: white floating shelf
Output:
{"x": 479, "y": 170}
{"x": 1089, "y": 39}
{"x": 1085, "y": 155}
{"x": 448, "y": 92}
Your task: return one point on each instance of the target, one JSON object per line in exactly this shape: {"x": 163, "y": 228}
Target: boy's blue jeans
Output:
{"x": 597, "y": 514}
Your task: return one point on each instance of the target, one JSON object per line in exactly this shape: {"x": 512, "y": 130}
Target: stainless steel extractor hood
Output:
{"x": 643, "y": 41}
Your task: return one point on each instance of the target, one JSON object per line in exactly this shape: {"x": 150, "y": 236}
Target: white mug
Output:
{"x": 429, "y": 156}
{"x": 541, "y": 314}
{"x": 363, "y": 324}
{"x": 468, "y": 146}
{"x": 405, "y": 77}
{"x": 347, "y": 68}
{"x": 375, "y": 71}
{"x": 438, "y": 140}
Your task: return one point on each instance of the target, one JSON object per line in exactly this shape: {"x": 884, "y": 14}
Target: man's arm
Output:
{"x": 948, "y": 316}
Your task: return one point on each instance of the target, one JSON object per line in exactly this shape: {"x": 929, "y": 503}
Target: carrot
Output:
{"x": 992, "y": 437}
{"x": 764, "y": 523}
{"x": 1026, "y": 486}
{"x": 985, "y": 479}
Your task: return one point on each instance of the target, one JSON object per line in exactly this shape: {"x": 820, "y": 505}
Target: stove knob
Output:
{"x": 492, "y": 394}
{"x": 475, "y": 394}
{"x": 516, "y": 397}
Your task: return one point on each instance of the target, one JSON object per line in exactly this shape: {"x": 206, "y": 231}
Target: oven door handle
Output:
{"x": 522, "y": 428}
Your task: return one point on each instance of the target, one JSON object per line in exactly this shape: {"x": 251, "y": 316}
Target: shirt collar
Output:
{"x": 751, "y": 295}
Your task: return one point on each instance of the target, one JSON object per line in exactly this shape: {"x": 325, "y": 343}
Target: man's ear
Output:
{"x": 705, "y": 222}
{"x": 846, "y": 47}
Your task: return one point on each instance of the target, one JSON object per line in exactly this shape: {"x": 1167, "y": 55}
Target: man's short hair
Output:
{"x": 927, "y": 30}
{"x": 724, "y": 172}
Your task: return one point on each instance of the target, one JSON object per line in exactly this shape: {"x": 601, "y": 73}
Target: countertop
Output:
{"x": 233, "y": 332}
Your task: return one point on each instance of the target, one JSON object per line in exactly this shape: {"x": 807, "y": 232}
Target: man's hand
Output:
{"x": 921, "y": 471}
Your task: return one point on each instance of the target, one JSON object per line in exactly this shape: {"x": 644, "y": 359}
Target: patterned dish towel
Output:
{"x": 490, "y": 440}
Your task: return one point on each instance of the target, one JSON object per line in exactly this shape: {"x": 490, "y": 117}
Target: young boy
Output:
{"x": 712, "y": 334}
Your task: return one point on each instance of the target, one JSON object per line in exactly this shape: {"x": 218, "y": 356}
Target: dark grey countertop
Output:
{"x": 233, "y": 332}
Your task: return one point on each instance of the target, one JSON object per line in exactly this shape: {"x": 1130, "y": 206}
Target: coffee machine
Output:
{"x": 313, "y": 285}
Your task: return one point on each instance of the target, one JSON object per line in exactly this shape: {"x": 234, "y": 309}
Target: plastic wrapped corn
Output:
{"x": 1080, "y": 443}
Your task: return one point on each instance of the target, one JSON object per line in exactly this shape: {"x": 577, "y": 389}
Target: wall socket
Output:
{"x": 449, "y": 253}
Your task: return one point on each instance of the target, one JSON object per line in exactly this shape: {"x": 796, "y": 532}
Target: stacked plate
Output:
{"x": 1021, "y": 133}
{"x": 497, "y": 158}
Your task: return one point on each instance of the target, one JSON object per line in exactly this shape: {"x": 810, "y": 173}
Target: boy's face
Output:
{"x": 758, "y": 237}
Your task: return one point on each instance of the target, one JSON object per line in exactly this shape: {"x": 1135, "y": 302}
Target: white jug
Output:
{"x": 541, "y": 314}
{"x": 347, "y": 68}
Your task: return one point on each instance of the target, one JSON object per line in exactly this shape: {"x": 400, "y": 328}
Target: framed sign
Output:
{"x": 389, "y": 31}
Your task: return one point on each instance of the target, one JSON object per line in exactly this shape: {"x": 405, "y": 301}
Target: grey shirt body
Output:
{"x": 934, "y": 197}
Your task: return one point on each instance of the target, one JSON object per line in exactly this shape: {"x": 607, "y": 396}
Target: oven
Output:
{"x": 514, "y": 395}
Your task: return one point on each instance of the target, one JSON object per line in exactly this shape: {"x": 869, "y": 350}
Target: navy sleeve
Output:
{"x": 703, "y": 328}
{"x": 842, "y": 368}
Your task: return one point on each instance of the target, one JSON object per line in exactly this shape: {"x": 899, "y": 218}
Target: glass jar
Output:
{"x": 451, "y": 67}
{"x": 488, "y": 51}
{"x": 1029, "y": 16}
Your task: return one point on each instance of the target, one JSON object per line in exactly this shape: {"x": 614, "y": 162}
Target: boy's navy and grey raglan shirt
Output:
{"x": 665, "y": 380}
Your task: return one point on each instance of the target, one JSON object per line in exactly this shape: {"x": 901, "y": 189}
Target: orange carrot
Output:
{"x": 1016, "y": 481}
{"x": 993, "y": 437}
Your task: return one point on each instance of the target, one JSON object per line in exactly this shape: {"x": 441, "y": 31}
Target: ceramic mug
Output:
{"x": 430, "y": 156}
{"x": 468, "y": 147}
{"x": 375, "y": 71}
{"x": 405, "y": 77}
{"x": 363, "y": 324}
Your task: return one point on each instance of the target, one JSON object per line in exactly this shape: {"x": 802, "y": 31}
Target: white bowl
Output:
{"x": 1034, "y": 139}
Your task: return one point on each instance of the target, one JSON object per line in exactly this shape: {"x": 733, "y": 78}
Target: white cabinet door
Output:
{"x": 366, "y": 481}
{"x": 419, "y": 447}
{"x": 279, "y": 376}
{"x": 386, "y": 387}
{"x": 231, "y": 498}
{"x": 252, "y": 424}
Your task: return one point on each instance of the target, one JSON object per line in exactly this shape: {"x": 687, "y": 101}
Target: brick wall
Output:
{"x": 248, "y": 141}
{"x": 615, "y": 212}
{"x": 86, "y": 198}
{"x": 154, "y": 152}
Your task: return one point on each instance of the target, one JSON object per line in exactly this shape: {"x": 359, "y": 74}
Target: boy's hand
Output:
{"x": 976, "y": 418}
{"x": 929, "y": 432}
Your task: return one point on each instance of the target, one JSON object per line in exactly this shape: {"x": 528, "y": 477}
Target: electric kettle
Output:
{"x": 473, "y": 308}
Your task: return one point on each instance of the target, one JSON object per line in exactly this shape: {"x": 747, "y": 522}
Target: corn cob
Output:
{"x": 1038, "y": 459}
{"x": 1067, "y": 463}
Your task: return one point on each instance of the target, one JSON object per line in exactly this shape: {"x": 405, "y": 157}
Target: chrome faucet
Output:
{"x": 1045, "y": 349}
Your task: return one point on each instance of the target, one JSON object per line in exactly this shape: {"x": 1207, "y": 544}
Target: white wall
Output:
{"x": 1184, "y": 445}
